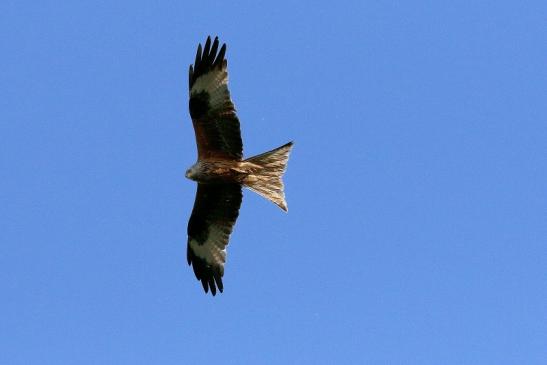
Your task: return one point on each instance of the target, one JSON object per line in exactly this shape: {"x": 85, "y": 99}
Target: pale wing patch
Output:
{"x": 215, "y": 83}
{"x": 213, "y": 250}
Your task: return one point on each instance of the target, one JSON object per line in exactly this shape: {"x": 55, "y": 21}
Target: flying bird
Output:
{"x": 220, "y": 170}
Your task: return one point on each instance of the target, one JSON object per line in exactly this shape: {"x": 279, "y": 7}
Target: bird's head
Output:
{"x": 191, "y": 173}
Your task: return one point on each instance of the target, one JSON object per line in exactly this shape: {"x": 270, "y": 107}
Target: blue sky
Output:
{"x": 417, "y": 222}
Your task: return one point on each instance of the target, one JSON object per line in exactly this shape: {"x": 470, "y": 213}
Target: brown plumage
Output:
{"x": 221, "y": 171}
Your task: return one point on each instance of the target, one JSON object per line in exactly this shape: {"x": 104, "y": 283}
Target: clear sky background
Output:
{"x": 417, "y": 187}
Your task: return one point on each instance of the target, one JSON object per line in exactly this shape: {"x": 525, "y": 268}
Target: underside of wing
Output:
{"x": 213, "y": 114}
{"x": 213, "y": 217}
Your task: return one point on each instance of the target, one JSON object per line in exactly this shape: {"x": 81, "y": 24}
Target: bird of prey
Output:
{"x": 220, "y": 170}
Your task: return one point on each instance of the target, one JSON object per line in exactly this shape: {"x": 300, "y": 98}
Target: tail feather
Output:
{"x": 267, "y": 179}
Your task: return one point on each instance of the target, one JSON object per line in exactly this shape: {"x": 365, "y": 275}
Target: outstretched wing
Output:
{"x": 213, "y": 114}
{"x": 215, "y": 212}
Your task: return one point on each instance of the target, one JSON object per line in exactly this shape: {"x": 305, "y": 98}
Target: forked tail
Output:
{"x": 266, "y": 180}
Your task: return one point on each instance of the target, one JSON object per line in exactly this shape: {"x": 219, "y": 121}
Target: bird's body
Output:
{"x": 221, "y": 171}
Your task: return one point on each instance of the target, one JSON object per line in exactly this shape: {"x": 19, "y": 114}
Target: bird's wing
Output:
{"x": 215, "y": 212}
{"x": 213, "y": 114}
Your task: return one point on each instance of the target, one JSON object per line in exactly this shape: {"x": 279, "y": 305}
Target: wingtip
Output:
{"x": 220, "y": 57}
{"x": 207, "y": 48}
{"x": 198, "y": 56}
{"x": 212, "y": 287}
